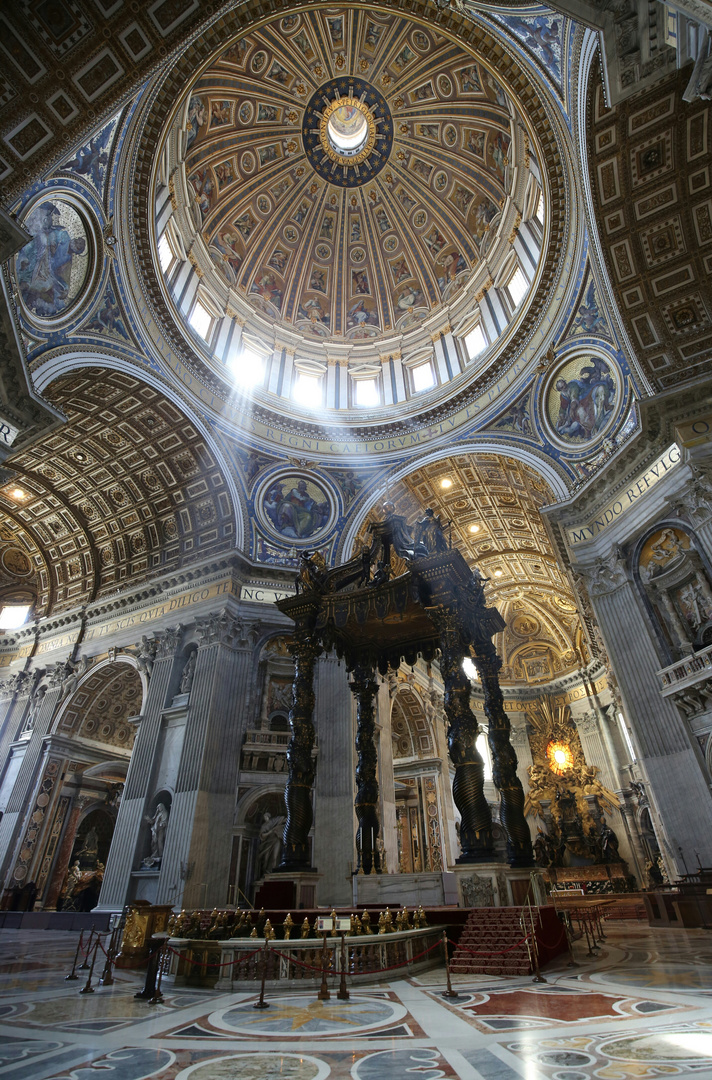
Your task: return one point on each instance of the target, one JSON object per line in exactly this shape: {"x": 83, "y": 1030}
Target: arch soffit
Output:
{"x": 70, "y": 703}
{"x": 57, "y": 365}
{"x": 552, "y": 474}
{"x": 250, "y": 800}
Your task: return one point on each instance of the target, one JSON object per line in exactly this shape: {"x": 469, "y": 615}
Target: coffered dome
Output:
{"x": 345, "y": 183}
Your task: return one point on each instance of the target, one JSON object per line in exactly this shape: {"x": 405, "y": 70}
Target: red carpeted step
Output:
{"x": 497, "y": 934}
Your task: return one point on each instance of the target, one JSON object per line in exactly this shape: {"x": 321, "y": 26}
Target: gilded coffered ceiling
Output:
{"x": 415, "y": 212}
{"x": 125, "y": 488}
{"x": 493, "y": 502}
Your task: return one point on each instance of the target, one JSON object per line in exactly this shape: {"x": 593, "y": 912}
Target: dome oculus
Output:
{"x": 348, "y": 132}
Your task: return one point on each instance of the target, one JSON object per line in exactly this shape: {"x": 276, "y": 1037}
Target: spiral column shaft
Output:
{"x": 468, "y": 785}
{"x": 504, "y": 758}
{"x": 364, "y": 688}
{"x": 298, "y": 792}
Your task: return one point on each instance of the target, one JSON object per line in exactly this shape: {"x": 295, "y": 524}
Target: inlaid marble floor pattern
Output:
{"x": 643, "y": 1008}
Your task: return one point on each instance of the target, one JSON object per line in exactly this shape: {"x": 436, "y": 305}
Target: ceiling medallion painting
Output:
{"x": 582, "y": 399}
{"x": 348, "y": 173}
{"x": 294, "y": 507}
{"x": 51, "y": 270}
{"x": 348, "y": 132}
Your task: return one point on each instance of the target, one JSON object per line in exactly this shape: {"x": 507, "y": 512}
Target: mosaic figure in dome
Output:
{"x": 297, "y": 514}
{"x": 52, "y": 267}
{"x": 589, "y": 319}
{"x": 197, "y": 117}
{"x": 585, "y": 401}
{"x": 498, "y": 150}
{"x": 90, "y": 161}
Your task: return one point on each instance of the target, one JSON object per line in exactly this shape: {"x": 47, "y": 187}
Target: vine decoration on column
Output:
{"x": 306, "y": 647}
{"x": 468, "y": 784}
{"x": 364, "y": 687}
{"x": 504, "y": 759}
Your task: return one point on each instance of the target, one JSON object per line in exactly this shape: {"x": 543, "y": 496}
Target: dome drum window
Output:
{"x": 359, "y": 224}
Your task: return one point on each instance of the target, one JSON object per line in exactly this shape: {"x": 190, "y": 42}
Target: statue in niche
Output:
{"x": 159, "y": 824}
{"x": 269, "y": 844}
{"x": 429, "y": 533}
{"x": 88, "y": 853}
{"x": 186, "y": 681}
{"x": 547, "y": 852}
{"x": 609, "y": 844}
{"x": 146, "y": 656}
{"x": 35, "y": 704}
{"x": 74, "y": 669}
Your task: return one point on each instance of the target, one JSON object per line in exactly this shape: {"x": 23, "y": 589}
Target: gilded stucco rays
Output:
{"x": 125, "y": 487}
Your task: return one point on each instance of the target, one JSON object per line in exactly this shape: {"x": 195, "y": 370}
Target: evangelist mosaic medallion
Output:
{"x": 51, "y": 270}
{"x": 295, "y": 508}
{"x": 582, "y": 399}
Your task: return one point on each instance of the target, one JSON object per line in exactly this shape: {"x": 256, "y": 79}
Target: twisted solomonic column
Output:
{"x": 306, "y": 648}
{"x": 468, "y": 785}
{"x": 364, "y": 688}
{"x": 504, "y": 759}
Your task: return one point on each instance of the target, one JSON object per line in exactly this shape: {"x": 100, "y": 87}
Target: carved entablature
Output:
{"x": 677, "y": 585}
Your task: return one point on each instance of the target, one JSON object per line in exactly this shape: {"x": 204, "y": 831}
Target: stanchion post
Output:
{"x": 88, "y": 988}
{"x": 85, "y": 965}
{"x": 538, "y": 977}
{"x": 449, "y": 993}
{"x": 149, "y": 987}
{"x": 343, "y": 994}
{"x": 323, "y": 994}
{"x": 157, "y": 995}
{"x": 569, "y": 938}
{"x": 262, "y": 1004}
{"x": 107, "y": 979}
{"x": 72, "y": 975}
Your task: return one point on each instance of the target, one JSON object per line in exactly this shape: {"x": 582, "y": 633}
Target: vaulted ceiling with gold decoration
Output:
{"x": 491, "y": 504}
{"x": 358, "y": 240}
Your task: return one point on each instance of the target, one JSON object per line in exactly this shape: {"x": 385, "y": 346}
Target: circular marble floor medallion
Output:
{"x": 258, "y": 1067}
{"x": 299, "y": 1016}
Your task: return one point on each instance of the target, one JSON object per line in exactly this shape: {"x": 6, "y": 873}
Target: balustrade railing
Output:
{"x": 687, "y": 672}
{"x": 223, "y": 964}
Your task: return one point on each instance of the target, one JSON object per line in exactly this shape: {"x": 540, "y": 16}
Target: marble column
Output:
{"x": 298, "y": 793}
{"x": 364, "y": 688}
{"x": 667, "y": 756}
{"x": 476, "y": 841}
{"x": 19, "y": 802}
{"x": 504, "y": 759}
{"x": 195, "y": 869}
{"x": 125, "y": 850}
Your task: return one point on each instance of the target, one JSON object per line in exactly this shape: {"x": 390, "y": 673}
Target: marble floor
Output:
{"x": 642, "y": 1008}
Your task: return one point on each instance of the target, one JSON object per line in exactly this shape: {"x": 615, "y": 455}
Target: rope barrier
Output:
{"x": 547, "y": 945}
{"x": 368, "y": 971}
{"x": 228, "y": 963}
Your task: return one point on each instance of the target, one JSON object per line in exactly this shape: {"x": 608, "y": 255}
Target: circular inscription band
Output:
{"x": 347, "y": 131}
